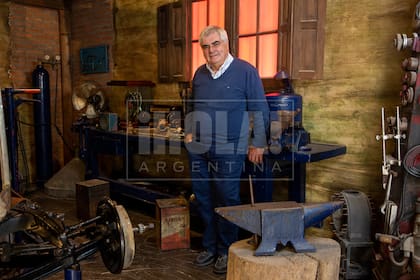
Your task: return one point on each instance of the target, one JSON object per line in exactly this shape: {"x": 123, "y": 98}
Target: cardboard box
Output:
{"x": 173, "y": 218}
{"x": 88, "y": 194}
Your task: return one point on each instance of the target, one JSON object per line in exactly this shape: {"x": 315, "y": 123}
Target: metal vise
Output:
{"x": 286, "y": 130}
{"x": 279, "y": 222}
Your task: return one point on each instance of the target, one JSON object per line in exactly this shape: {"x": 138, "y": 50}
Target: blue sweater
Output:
{"x": 221, "y": 109}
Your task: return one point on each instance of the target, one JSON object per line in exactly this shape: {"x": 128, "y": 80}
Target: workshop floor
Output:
{"x": 150, "y": 263}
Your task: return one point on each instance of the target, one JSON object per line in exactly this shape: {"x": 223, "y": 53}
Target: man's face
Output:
{"x": 215, "y": 50}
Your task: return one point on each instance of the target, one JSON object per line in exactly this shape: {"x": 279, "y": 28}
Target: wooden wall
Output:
{"x": 4, "y": 44}
{"x": 136, "y": 51}
{"x": 362, "y": 73}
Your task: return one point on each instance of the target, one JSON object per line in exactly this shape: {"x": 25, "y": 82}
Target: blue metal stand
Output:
{"x": 11, "y": 104}
{"x": 118, "y": 143}
{"x": 73, "y": 273}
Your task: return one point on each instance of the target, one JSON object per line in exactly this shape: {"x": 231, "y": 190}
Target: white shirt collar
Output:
{"x": 222, "y": 69}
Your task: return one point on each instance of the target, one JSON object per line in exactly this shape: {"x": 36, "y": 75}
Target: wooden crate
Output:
{"x": 88, "y": 194}
{"x": 173, "y": 228}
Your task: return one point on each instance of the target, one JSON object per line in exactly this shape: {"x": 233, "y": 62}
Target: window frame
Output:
{"x": 294, "y": 18}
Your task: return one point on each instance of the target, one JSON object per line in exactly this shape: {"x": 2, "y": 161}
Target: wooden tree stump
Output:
{"x": 324, "y": 264}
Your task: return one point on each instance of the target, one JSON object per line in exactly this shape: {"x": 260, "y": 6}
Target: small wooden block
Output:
{"x": 88, "y": 194}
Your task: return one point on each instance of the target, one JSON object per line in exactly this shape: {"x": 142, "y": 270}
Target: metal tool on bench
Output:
{"x": 286, "y": 130}
{"x": 279, "y": 222}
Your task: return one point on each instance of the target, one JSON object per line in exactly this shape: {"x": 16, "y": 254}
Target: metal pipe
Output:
{"x": 5, "y": 194}
{"x": 398, "y": 136}
{"x": 12, "y": 140}
{"x": 42, "y": 117}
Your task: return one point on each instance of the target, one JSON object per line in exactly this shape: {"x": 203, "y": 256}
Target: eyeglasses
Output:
{"x": 214, "y": 44}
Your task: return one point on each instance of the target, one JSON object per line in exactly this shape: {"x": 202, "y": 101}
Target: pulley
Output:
{"x": 117, "y": 248}
{"x": 411, "y": 161}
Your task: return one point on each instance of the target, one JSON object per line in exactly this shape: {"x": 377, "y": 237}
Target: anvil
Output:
{"x": 279, "y": 222}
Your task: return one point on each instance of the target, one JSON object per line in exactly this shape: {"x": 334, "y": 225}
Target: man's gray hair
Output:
{"x": 213, "y": 28}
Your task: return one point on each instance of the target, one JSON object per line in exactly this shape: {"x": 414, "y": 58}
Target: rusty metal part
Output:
{"x": 407, "y": 96}
{"x": 402, "y": 41}
{"x": 251, "y": 189}
{"x": 411, "y": 161}
{"x": 409, "y": 78}
{"x": 410, "y": 64}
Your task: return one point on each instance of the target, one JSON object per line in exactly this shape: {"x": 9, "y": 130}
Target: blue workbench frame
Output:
{"x": 95, "y": 141}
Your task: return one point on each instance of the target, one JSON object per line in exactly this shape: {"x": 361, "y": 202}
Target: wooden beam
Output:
{"x": 51, "y": 4}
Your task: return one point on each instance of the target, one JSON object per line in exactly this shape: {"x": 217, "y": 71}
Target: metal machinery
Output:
{"x": 397, "y": 254}
{"x": 286, "y": 130}
{"x": 40, "y": 97}
{"x": 352, "y": 227}
{"x": 12, "y": 101}
{"x": 35, "y": 243}
{"x": 400, "y": 239}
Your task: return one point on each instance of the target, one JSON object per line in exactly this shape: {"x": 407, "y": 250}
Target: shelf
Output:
{"x": 131, "y": 83}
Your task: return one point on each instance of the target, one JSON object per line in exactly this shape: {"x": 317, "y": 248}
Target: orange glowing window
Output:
{"x": 204, "y": 12}
{"x": 257, "y": 32}
{"x": 246, "y": 49}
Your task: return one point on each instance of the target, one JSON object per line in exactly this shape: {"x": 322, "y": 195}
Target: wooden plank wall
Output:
{"x": 136, "y": 51}
{"x": 362, "y": 73}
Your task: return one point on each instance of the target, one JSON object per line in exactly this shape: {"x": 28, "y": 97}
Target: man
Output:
{"x": 226, "y": 93}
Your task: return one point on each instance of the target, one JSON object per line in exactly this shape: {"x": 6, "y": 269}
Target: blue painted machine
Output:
{"x": 286, "y": 130}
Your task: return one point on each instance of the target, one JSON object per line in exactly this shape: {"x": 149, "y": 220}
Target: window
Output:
{"x": 258, "y": 34}
{"x": 270, "y": 34}
{"x": 204, "y": 13}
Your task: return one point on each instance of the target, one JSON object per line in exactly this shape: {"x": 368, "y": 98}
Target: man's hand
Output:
{"x": 188, "y": 138}
{"x": 255, "y": 155}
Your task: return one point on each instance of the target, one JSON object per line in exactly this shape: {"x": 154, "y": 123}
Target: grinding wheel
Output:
{"x": 117, "y": 246}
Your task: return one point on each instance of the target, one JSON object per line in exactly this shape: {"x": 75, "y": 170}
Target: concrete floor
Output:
{"x": 150, "y": 263}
